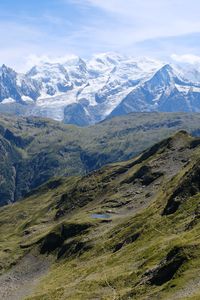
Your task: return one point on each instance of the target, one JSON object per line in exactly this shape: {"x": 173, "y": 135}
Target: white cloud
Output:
{"x": 33, "y": 59}
{"x": 28, "y": 42}
{"x": 186, "y": 58}
{"x": 144, "y": 7}
{"x": 161, "y": 27}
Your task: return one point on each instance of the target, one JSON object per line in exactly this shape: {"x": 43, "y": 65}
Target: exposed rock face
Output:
{"x": 167, "y": 267}
{"x": 189, "y": 186}
{"x": 17, "y": 87}
{"x": 54, "y": 240}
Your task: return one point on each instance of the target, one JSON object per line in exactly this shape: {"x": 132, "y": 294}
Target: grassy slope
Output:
{"x": 114, "y": 256}
{"x": 48, "y": 148}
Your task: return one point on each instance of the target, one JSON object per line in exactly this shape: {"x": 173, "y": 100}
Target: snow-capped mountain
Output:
{"x": 17, "y": 87}
{"x": 166, "y": 91}
{"x": 87, "y": 91}
{"x": 52, "y": 78}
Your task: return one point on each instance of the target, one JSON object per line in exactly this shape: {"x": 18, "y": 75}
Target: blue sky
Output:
{"x": 31, "y": 30}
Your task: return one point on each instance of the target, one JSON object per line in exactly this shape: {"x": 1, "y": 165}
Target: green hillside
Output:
{"x": 127, "y": 231}
{"x": 33, "y": 150}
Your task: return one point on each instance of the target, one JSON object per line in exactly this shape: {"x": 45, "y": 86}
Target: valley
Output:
{"x": 33, "y": 150}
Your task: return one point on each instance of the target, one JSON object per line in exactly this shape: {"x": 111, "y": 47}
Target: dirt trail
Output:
{"x": 20, "y": 281}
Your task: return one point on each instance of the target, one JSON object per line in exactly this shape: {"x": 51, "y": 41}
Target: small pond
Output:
{"x": 100, "y": 216}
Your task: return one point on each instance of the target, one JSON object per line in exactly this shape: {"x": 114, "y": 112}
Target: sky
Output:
{"x": 34, "y": 30}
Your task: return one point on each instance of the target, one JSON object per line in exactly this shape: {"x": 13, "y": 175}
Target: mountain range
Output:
{"x": 84, "y": 92}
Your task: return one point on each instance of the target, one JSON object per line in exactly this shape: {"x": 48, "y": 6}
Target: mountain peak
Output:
{"x": 167, "y": 70}
{"x": 166, "y": 75}
{"x": 6, "y": 69}
{"x": 109, "y": 59}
